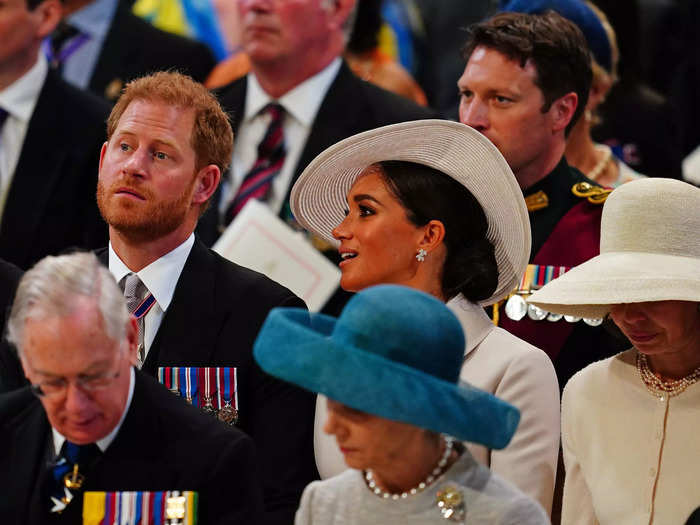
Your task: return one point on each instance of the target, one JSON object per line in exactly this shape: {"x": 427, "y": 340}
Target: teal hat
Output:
{"x": 394, "y": 352}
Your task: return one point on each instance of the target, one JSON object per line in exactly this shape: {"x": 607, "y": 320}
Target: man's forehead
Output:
{"x": 490, "y": 62}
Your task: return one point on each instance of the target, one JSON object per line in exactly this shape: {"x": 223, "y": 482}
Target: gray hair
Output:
{"x": 52, "y": 286}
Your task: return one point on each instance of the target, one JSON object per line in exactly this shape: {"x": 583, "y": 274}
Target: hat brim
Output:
{"x": 297, "y": 347}
{"x": 319, "y": 197}
{"x": 590, "y": 289}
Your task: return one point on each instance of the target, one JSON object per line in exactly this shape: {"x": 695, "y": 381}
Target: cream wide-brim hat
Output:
{"x": 319, "y": 196}
{"x": 649, "y": 251}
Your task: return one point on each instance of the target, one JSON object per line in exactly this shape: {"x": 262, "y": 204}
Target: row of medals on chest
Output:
{"x": 226, "y": 413}
{"x": 517, "y": 308}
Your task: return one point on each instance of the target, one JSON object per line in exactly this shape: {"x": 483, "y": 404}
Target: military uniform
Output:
{"x": 565, "y": 211}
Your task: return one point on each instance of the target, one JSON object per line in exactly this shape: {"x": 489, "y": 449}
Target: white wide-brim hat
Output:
{"x": 319, "y": 196}
{"x": 649, "y": 251}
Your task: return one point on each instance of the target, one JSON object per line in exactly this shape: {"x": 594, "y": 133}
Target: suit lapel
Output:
{"x": 116, "y": 50}
{"x": 25, "y": 443}
{"x": 35, "y": 175}
{"x": 338, "y": 117}
{"x": 183, "y": 337}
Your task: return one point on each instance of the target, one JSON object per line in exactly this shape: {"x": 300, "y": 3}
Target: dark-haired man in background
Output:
{"x": 525, "y": 84}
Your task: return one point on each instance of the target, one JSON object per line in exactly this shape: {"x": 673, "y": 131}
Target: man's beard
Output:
{"x": 143, "y": 221}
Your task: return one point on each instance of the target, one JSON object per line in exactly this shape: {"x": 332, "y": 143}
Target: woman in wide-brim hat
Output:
{"x": 432, "y": 204}
{"x": 630, "y": 423}
{"x": 390, "y": 368}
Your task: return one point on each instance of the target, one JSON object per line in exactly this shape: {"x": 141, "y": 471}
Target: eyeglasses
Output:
{"x": 87, "y": 383}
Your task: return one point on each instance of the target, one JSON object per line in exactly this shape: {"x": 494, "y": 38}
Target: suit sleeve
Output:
{"x": 232, "y": 494}
{"x": 281, "y": 424}
{"x": 577, "y": 505}
{"x": 530, "y": 459}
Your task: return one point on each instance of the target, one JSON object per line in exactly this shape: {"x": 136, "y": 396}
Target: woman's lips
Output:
{"x": 640, "y": 337}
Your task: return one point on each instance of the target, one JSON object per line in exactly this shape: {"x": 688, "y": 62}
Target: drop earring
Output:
{"x": 420, "y": 256}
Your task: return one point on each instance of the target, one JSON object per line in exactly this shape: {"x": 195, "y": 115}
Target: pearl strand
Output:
{"x": 660, "y": 387}
{"x": 437, "y": 471}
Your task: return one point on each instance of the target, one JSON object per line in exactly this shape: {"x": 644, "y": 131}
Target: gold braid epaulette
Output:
{"x": 594, "y": 194}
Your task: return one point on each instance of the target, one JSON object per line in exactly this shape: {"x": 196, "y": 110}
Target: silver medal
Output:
{"x": 516, "y": 307}
{"x": 535, "y": 313}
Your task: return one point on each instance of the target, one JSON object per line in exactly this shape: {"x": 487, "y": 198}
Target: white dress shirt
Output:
{"x": 301, "y": 105}
{"x": 106, "y": 441}
{"x": 19, "y": 100}
{"x": 160, "y": 277}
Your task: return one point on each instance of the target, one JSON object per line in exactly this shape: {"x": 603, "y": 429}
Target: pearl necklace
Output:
{"x": 660, "y": 387}
{"x": 600, "y": 166}
{"x": 437, "y": 471}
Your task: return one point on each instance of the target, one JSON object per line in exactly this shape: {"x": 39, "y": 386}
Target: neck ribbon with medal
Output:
{"x": 213, "y": 389}
{"x": 535, "y": 277}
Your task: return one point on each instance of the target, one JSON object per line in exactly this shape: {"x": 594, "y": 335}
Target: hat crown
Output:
{"x": 659, "y": 216}
{"x": 405, "y": 326}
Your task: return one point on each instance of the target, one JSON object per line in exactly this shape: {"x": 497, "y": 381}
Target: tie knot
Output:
{"x": 275, "y": 110}
{"x": 134, "y": 291}
{"x": 80, "y": 454}
{"x": 62, "y": 34}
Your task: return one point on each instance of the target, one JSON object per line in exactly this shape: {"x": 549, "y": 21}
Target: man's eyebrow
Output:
{"x": 164, "y": 142}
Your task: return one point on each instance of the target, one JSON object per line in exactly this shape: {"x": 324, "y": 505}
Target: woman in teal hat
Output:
{"x": 390, "y": 368}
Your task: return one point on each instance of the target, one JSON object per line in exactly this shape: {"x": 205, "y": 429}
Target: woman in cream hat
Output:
{"x": 390, "y": 368}
{"x": 630, "y": 423}
{"x": 433, "y": 205}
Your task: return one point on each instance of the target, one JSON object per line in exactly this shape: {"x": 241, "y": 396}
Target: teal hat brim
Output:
{"x": 298, "y": 347}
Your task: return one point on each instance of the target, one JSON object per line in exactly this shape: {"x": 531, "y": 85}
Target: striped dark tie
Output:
{"x": 271, "y": 154}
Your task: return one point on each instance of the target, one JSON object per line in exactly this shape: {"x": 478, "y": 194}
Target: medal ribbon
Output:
{"x": 182, "y": 378}
{"x": 235, "y": 388}
{"x": 537, "y": 275}
{"x": 219, "y": 404}
{"x": 70, "y": 48}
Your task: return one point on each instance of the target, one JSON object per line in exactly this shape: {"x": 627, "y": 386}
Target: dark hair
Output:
{"x": 556, "y": 47}
{"x": 428, "y": 194}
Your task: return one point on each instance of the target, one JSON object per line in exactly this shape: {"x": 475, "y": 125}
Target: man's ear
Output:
{"x": 207, "y": 181}
{"x": 562, "y": 111}
{"x": 48, "y": 14}
{"x": 340, "y": 10}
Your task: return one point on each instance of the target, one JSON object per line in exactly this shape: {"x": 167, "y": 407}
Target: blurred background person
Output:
{"x": 101, "y": 45}
{"x": 408, "y": 204}
{"x": 389, "y": 366}
{"x": 629, "y": 422}
{"x": 50, "y": 135}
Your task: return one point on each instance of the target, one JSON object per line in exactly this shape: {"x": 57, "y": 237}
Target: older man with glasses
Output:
{"x": 90, "y": 421}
